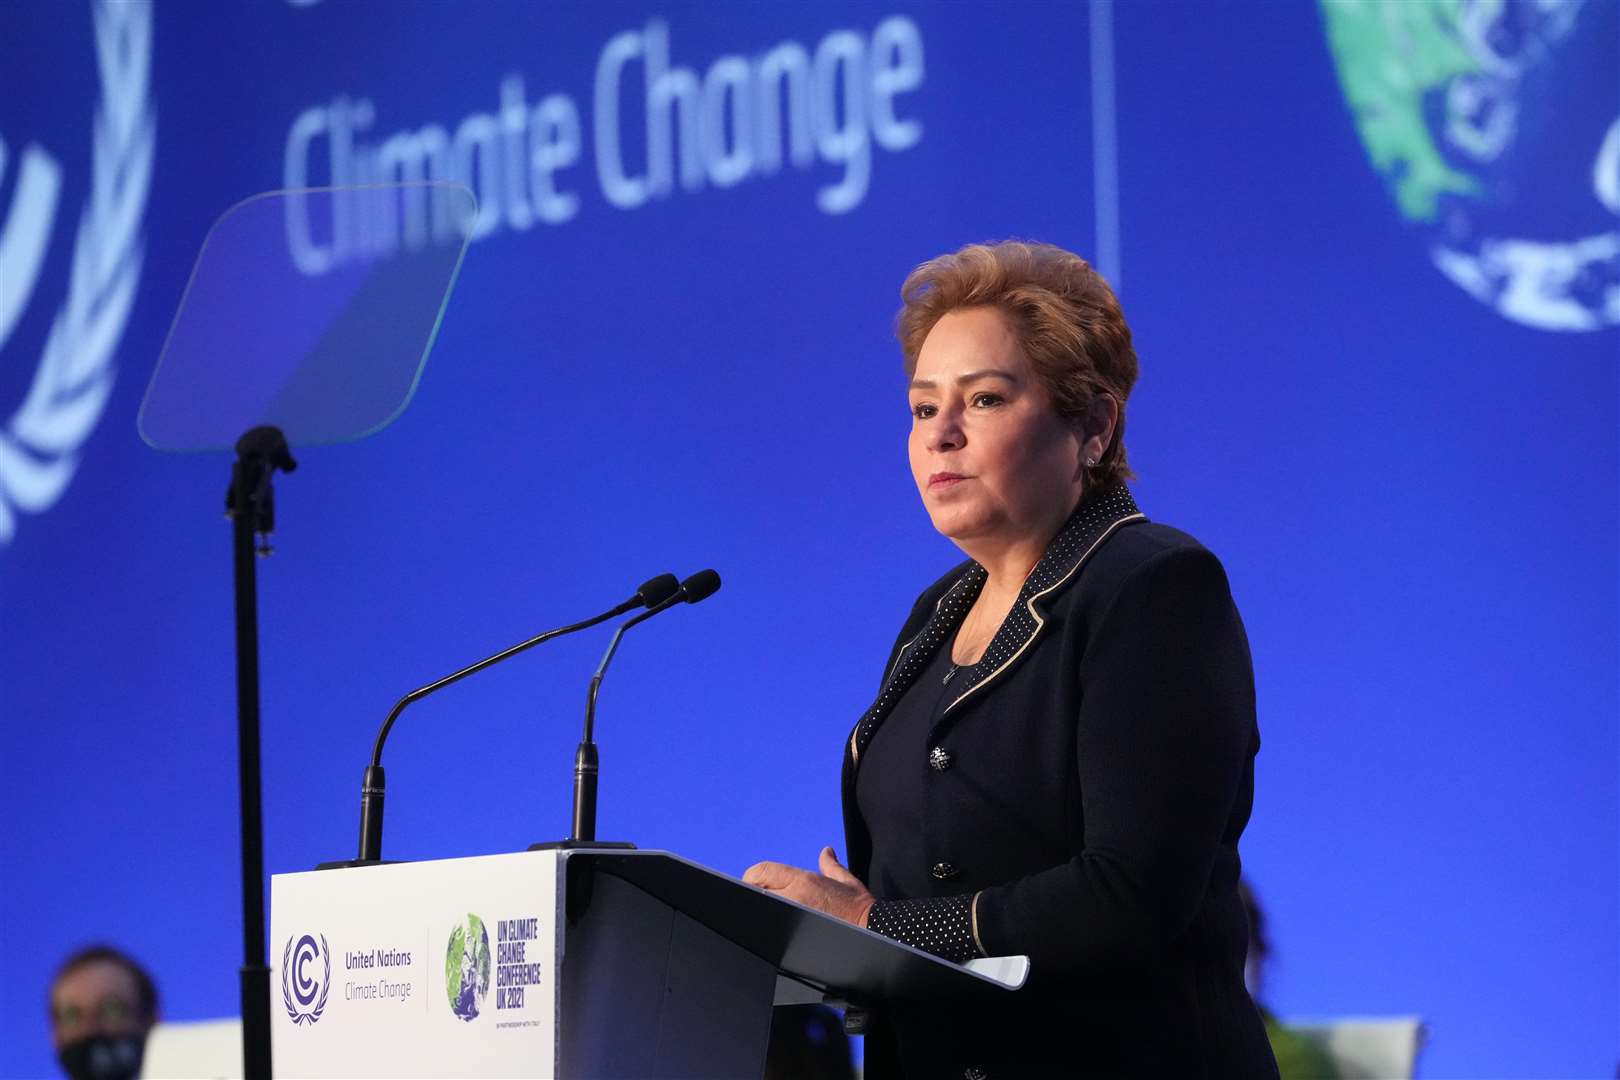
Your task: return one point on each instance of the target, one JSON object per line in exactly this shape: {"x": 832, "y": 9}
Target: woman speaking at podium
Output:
{"x": 1060, "y": 758}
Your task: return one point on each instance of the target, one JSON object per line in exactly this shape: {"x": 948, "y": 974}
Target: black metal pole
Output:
{"x": 250, "y": 503}
{"x": 255, "y": 974}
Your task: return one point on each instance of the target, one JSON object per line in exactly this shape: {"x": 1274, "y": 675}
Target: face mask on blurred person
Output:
{"x": 102, "y": 1057}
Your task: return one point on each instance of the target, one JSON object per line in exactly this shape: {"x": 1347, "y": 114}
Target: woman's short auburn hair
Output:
{"x": 1065, "y": 315}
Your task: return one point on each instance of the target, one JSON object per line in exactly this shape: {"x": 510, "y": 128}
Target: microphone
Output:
{"x": 654, "y": 594}
{"x": 700, "y": 586}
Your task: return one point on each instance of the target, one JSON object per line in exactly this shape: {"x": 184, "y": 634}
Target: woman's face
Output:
{"x": 993, "y": 460}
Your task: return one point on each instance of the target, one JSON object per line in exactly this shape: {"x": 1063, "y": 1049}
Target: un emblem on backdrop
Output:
{"x": 1497, "y": 143}
{"x": 466, "y": 967}
{"x": 303, "y": 987}
{"x": 73, "y": 371}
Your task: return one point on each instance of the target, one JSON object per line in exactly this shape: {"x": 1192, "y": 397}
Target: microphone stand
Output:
{"x": 250, "y": 504}
{"x": 372, "y": 786}
{"x": 656, "y": 592}
{"x": 586, "y": 762}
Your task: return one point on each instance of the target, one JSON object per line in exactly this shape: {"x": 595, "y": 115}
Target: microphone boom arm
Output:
{"x": 607, "y": 658}
{"x": 423, "y": 691}
{"x": 656, "y": 592}
{"x": 587, "y": 763}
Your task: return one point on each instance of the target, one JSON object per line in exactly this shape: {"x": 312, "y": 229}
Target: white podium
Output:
{"x": 567, "y": 964}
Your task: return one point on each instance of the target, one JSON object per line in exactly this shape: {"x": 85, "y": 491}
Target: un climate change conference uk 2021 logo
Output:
{"x": 73, "y": 374}
{"x": 466, "y": 967}
{"x": 1493, "y": 125}
{"x": 303, "y": 990}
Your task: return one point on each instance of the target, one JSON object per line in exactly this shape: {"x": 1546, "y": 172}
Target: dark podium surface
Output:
{"x": 842, "y": 961}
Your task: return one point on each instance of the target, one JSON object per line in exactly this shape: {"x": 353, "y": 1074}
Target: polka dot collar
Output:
{"x": 1092, "y": 522}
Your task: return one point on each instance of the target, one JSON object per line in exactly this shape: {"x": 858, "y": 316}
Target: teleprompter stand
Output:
{"x": 250, "y": 504}
{"x": 265, "y": 351}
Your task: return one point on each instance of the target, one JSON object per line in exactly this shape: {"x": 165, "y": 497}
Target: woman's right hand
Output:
{"x": 834, "y": 890}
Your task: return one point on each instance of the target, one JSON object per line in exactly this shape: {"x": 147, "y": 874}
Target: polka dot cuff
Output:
{"x": 942, "y": 925}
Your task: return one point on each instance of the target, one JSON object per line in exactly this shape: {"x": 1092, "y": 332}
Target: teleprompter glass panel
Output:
{"x": 312, "y": 310}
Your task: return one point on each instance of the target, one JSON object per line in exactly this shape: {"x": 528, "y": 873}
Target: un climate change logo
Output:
{"x": 73, "y": 376}
{"x": 466, "y": 967}
{"x": 1494, "y": 128}
{"x": 303, "y": 994}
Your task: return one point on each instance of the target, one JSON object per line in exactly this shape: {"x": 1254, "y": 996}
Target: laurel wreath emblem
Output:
{"x": 299, "y": 1017}
{"x": 39, "y": 445}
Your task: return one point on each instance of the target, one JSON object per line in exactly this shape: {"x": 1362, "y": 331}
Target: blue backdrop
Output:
{"x": 1370, "y": 255}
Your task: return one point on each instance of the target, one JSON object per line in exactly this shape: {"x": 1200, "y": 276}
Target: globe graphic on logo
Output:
{"x": 1494, "y": 127}
{"x": 466, "y": 967}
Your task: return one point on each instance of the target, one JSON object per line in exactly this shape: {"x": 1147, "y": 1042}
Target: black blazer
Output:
{"x": 1098, "y": 771}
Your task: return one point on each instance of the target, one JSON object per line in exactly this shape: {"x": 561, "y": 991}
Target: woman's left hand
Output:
{"x": 835, "y": 890}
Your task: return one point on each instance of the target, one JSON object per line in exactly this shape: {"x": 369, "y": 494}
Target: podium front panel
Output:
{"x": 582, "y": 965}
{"x": 442, "y": 968}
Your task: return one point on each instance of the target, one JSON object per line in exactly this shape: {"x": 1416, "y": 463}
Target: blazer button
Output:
{"x": 939, "y": 758}
{"x": 943, "y": 871}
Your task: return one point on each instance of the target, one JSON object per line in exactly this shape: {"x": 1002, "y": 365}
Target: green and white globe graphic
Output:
{"x": 466, "y": 967}
{"x": 1493, "y": 124}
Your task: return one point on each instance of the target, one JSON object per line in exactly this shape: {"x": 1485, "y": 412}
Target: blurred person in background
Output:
{"x": 102, "y": 1005}
{"x": 808, "y": 1043}
{"x": 1298, "y": 1058}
